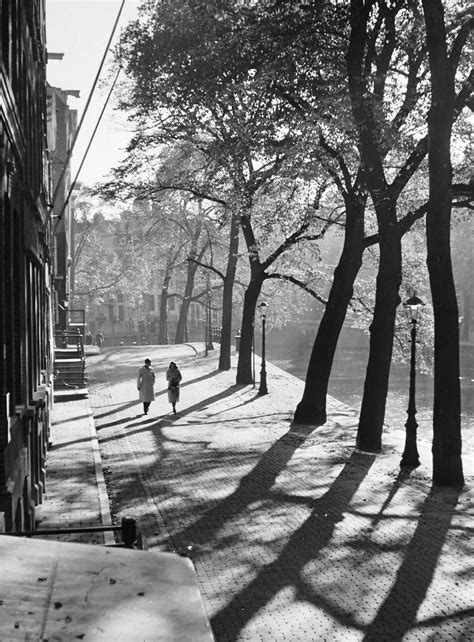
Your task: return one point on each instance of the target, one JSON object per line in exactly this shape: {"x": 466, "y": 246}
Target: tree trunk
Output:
{"x": 369, "y": 437}
{"x": 184, "y": 310}
{"x": 372, "y": 414}
{"x": 181, "y": 327}
{"x": 466, "y": 321}
{"x": 257, "y": 276}
{"x": 447, "y": 462}
{"x": 312, "y": 407}
{"x": 227, "y": 294}
{"x": 244, "y": 365}
{"x": 163, "y": 319}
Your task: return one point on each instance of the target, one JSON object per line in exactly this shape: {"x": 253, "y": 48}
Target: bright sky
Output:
{"x": 80, "y": 29}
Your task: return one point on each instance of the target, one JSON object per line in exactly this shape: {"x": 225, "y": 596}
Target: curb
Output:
{"x": 104, "y": 503}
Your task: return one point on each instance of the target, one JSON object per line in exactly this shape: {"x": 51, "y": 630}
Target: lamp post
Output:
{"x": 410, "y": 455}
{"x": 263, "y": 390}
{"x": 139, "y": 317}
{"x": 253, "y": 354}
{"x": 209, "y": 344}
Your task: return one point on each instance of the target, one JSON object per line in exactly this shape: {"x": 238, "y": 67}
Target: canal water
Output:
{"x": 348, "y": 374}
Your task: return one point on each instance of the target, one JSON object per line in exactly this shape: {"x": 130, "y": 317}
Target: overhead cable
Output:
{"x": 76, "y": 134}
{"x": 73, "y": 184}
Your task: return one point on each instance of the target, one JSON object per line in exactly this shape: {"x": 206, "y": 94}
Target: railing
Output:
{"x": 131, "y": 535}
{"x": 216, "y": 333}
{"x": 68, "y": 340}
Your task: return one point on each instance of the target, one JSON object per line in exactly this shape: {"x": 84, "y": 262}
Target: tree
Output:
{"x": 232, "y": 117}
{"x": 299, "y": 223}
{"x": 447, "y": 462}
{"x": 96, "y": 266}
{"x": 366, "y": 92}
{"x": 351, "y": 179}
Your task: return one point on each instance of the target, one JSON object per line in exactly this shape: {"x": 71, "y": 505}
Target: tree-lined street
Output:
{"x": 296, "y": 190}
{"x": 293, "y": 535}
{"x": 251, "y": 110}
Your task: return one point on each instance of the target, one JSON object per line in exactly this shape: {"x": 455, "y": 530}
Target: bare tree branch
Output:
{"x": 301, "y": 284}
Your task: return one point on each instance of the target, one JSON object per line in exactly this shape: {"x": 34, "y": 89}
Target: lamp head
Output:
{"x": 413, "y": 307}
{"x": 262, "y": 308}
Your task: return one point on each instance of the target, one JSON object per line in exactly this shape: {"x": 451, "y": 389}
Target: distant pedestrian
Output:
{"x": 99, "y": 339}
{"x": 173, "y": 376}
{"x": 145, "y": 385}
{"x": 89, "y": 338}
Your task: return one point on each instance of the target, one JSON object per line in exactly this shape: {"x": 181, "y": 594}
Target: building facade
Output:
{"x": 25, "y": 265}
{"x": 61, "y": 128}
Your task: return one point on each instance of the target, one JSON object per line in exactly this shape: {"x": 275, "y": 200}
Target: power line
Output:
{"x": 88, "y": 147}
{"x": 76, "y": 134}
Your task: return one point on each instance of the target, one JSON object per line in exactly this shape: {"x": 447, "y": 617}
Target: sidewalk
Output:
{"x": 294, "y": 536}
{"x": 64, "y": 589}
{"x": 76, "y": 494}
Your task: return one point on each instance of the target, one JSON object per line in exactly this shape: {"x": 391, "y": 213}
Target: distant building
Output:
{"x": 62, "y": 123}
{"x": 130, "y": 318}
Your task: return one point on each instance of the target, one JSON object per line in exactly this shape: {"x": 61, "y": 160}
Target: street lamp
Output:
{"x": 209, "y": 344}
{"x": 263, "y": 372}
{"x": 410, "y": 455}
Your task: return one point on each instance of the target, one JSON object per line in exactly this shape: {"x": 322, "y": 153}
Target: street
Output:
{"x": 294, "y": 536}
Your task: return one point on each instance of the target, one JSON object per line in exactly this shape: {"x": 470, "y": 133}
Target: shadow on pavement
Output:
{"x": 65, "y": 420}
{"x": 116, "y": 408}
{"x": 189, "y": 382}
{"x": 303, "y": 545}
{"x": 165, "y": 420}
{"x": 252, "y": 486}
{"x": 417, "y": 569}
{"x": 66, "y": 444}
{"x": 117, "y": 422}
{"x": 130, "y": 404}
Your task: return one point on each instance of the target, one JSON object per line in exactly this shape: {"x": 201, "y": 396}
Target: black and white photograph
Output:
{"x": 236, "y": 321}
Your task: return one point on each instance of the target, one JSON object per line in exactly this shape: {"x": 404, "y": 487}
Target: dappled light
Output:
{"x": 280, "y": 519}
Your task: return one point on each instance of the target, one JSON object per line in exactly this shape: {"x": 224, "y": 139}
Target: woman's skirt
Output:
{"x": 173, "y": 394}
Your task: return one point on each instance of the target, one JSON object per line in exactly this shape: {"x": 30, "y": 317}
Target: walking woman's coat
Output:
{"x": 145, "y": 384}
{"x": 173, "y": 377}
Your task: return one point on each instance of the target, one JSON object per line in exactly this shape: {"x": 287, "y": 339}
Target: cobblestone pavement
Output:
{"x": 294, "y": 535}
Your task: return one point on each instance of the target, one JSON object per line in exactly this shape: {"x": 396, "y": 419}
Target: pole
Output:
{"x": 210, "y": 345}
{"x": 253, "y": 354}
{"x": 410, "y": 455}
{"x": 263, "y": 372}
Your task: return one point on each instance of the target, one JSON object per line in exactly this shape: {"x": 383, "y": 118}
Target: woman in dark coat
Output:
{"x": 173, "y": 376}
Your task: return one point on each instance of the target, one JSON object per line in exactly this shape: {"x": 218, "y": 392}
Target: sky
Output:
{"x": 80, "y": 29}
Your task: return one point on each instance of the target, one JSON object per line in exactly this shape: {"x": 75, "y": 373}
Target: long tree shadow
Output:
{"x": 130, "y": 404}
{"x": 201, "y": 405}
{"x": 141, "y": 424}
{"x": 189, "y": 382}
{"x": 253, "y": 486}
{"x": 417, "y": 569}
{"x": 302, "y": 547}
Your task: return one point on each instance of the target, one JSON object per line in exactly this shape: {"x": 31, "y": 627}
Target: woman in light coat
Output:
{"x": 173, "y": 377}
{"x": 145, "y": 385}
